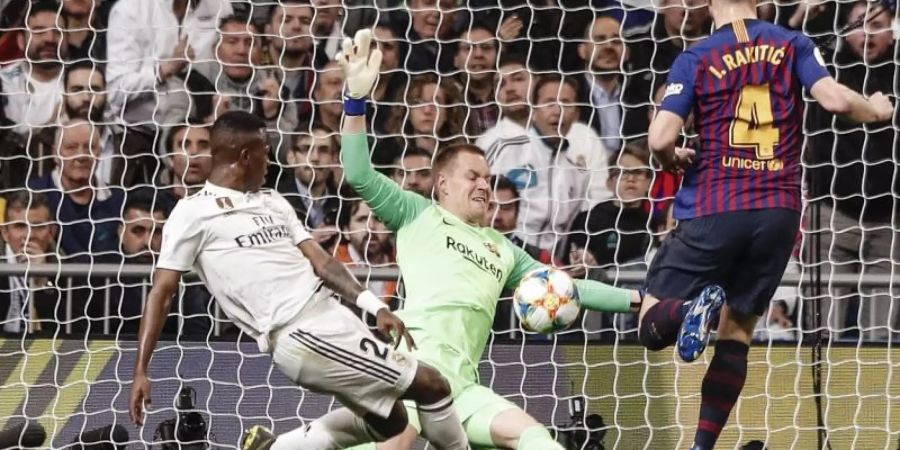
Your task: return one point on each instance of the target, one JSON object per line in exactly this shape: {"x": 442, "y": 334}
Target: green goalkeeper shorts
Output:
{"x": 469, "y": 397}
{"x": 476, "y": 405}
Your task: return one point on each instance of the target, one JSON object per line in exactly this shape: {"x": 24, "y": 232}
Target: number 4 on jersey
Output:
{"x": 753, "y": 122}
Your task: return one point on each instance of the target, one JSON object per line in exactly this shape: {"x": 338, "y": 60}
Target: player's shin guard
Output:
{"x": 660, "y": 325}
{"x": 722, "y": 386}
{"x": 441, "y": 426}
{"x": 538, "y": 438}
{"x": 338, "y": 429}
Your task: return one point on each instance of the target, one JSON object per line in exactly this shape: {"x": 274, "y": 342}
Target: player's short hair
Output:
{"x": 24, "y": 199}
{"x": 45, "y": 6}
{"x": 544, "y": 80}
{"x": 447, "y": 155}
{"x": 83, "y": 64}
{"x": 281, "y": 3}
{"x": 238, "y": 122}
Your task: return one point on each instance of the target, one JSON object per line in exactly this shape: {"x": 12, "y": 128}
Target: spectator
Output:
{"x": 151, "y": 42}
{"x": 428, "y": 33}
{"x": 28, "y": 304}
{"x": 234, "y": 83}
{"x": 312, "y": 189}
{"x": 85, "y": 99}
{"x": 616, "y": 232}
{"x": 413, "y": 172}
{"x": 853, "y": 178}
{"x": 188, "y": 160}
{"x": 428, "y": 120}
{"x": 86, "y": 210}
{"x": 291, "y": 53}
{"x": 140, "y": 232}
{"x": 504, "y": 216}
{"x": 366, "y": 243}
{"x": 678, "y": 24}
{"x": 143, "y": 219}
{"x": 328, "y": 91}
{"x": 476, "y": 61}
{"x": 391, "y": 84}
{"x": 86, "y": 23}
{"x": 559, "y": 170}
{"x": 615, "y": 103}
{"x": 515, "y": 109}
{"x": 327, "y": 27}
{"x": 32, "y": 88}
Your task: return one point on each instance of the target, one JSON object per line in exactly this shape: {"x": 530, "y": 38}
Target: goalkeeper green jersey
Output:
{"x": 453, "y": 272}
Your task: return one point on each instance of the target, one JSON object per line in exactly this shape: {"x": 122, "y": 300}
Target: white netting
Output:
{"x": 134, "y": 88}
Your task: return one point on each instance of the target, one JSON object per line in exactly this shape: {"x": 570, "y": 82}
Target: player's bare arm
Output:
{"x": 663, "y": 135}
{"x": 159, "y": 303}
{"x": 841, "y": 100}
{"x": 338, "y": 278}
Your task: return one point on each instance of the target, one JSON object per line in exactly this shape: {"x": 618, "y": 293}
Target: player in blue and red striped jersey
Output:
{"x": 739, "y": 206}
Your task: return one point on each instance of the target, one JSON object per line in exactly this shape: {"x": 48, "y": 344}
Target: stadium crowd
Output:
{"x": 106, "y": 108}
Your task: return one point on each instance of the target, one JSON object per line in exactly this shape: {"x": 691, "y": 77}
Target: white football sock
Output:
{"x": 441, "y": 426}
{"x": 338, "y": 429}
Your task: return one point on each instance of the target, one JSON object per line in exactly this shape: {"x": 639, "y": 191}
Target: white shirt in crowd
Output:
{"x": 608, "y": 108}
{"x": 244, "y": 248}
{"x": 29, "y": 102}
{"x": 141, "y": 33}
{"x": 554, "y": 186}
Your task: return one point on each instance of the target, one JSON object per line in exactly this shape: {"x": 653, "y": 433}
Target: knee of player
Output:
{"x": 396, "y": 423}
{"x": 432, "y": 385}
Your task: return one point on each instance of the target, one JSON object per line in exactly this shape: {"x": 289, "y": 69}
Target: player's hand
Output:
{"x": 360, "y": 62}
{"x": 140, "y": 398}
{"x": 882, "y": 105}
{"x": 391, "y": 325}
{"x": 681, "y": 159}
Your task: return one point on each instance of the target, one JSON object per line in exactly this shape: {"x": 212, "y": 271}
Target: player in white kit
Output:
{"x": 277, "y": 284}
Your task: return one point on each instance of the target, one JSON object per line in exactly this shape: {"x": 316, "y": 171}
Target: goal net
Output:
{"x": 106, "y": 109}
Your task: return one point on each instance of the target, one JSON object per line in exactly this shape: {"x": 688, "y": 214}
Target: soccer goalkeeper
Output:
{"x": 454, "y": 268}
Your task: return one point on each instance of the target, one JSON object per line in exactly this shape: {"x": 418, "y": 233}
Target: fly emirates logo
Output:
{"x": 268, "y": 231}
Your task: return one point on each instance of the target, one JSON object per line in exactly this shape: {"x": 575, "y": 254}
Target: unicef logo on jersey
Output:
{"x": 523, "y": 177}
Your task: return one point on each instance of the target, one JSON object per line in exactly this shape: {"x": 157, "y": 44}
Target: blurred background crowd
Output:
{"x": 105, "y": 109}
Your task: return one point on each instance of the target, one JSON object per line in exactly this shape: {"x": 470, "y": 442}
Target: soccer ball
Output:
{"x": 546, "y": 301}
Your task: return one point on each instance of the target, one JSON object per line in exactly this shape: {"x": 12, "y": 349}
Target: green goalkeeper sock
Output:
{"x": 538, "y": 438}
{"x": 597, "y": 296}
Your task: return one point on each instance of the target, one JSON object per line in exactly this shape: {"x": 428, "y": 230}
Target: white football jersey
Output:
{"x": 244, "y": 247}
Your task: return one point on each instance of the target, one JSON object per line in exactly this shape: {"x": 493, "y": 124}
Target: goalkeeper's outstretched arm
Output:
{"x": 594, "y": 295}
{"x": 394, "y": 206}
{"x": 843, "y": 101}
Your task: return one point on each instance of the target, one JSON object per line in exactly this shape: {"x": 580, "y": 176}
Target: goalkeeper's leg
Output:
{"x": 508, "y": 427}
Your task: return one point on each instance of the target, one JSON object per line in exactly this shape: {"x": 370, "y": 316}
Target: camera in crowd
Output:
{"x": 187, "y": 431}
{"x": 585, "y": 431}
